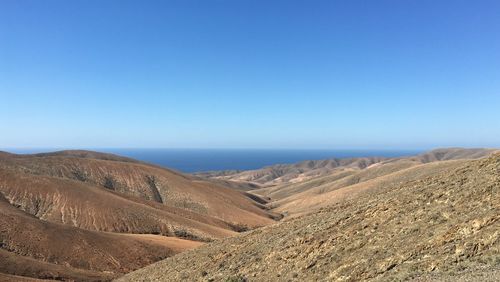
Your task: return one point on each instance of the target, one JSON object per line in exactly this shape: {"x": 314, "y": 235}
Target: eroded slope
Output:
{"x": 87, "y": 216}
{"x": 147, "y": 182}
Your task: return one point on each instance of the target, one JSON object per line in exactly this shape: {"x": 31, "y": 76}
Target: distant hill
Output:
{"x": 286, "y": 173}
{"x": 412, "y": 225}
{"x": 86, "y": 215}
{"x": 304, "y": 187}
{"x": 292, "y": 173}
{"x": 447, "y": 154}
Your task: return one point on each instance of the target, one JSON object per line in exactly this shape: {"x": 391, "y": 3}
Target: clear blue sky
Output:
{"x": 250, "y": 74}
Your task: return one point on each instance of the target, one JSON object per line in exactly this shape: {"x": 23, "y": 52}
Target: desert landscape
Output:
{"x": 89, "y": 216}
{"x": 249, "y": 140}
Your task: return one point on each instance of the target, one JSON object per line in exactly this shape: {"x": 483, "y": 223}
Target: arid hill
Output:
{"x": 144, "y": 181}
{"x": 292, "y": 173}
{"x": 439, "y": 227}
{"x": 305, "y": 187}
{"x": 309, "y": 196}
{"x": 289, "y": 173}
{"x": 37, "y": 248}
{"x": 82, "y": 215}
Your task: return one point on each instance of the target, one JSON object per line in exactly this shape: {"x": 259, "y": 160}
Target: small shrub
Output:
{"x": 181, "y": 233}
{"x": 239, "y": 227}
{"x": 80, "y": 175}
{"x": 109, "y": 182}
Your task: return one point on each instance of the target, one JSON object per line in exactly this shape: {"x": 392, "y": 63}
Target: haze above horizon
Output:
{"x": 249, "y": 74}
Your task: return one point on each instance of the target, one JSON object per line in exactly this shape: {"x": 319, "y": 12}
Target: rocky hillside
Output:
{"x": 308, "y": 196}
{"x": 322, "y": 183}
{"x": 90, "y": 216}
{"x": 439, "y": 227}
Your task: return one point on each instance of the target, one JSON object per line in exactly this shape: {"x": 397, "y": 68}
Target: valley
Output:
{"x": 89, "y": 216}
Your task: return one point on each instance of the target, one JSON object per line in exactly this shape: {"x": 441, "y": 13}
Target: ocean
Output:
{"x": 197, "y": 160}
